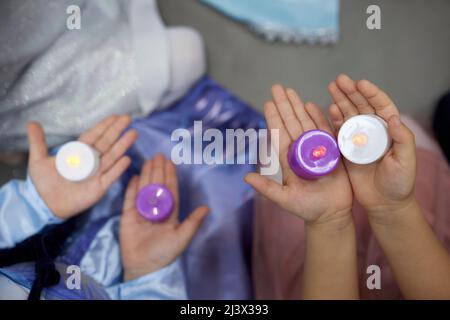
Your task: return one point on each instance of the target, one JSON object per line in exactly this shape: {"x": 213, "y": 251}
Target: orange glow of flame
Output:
{"x": 319, "y": 152}
{"x": 359, "y": 139}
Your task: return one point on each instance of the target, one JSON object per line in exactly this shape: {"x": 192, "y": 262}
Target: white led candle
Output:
{"x": 76, "y": 161}
{"x": 364, "y": 139}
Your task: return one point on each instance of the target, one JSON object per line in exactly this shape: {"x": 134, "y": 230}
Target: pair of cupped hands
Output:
{"x": 384, "y": 188}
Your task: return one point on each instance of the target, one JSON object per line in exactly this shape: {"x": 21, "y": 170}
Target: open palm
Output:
{"x": 148, "y": 246}
{"x": 65, "y": 198}
{"x": 390, "y": 181}
{"x": 311, "y": 200}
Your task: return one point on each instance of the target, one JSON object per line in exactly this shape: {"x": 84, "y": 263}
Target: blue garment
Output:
{"x": 287, "y": 20}
{"x": 16, "y": 281}
{"x": 217, "y": 263}
{"x": 23, "y": 213}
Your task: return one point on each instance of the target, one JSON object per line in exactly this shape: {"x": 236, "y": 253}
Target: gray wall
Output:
{"x": 409, "y": 57}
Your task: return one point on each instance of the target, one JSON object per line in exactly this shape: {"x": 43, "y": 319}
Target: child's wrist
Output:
{"x": 40, "y": 203}
{"x": 131, "y": 273}
{"x": 392, "y": 214}
{"x": 334, "y": 222}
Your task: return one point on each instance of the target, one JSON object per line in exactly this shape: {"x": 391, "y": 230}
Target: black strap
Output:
{"x": 45, "y": 271}
{"x": 41, "y": 248}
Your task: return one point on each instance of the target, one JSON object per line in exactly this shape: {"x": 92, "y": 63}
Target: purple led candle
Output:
{"x": 314, "y": 154}
{"x": 155, "y": 202}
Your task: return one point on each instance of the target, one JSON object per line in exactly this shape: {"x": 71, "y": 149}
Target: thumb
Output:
{"x": 36, "y": 140}
{"x": 190, "y": 226}
{"x": 267, "y": 187}
{"x": 404, "y": 145}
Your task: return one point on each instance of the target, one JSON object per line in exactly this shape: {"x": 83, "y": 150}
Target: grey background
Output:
{"x": 409, "y": 57}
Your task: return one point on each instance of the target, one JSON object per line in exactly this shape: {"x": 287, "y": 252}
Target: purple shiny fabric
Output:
{"x": 217, "y": 263}
{"x": 24, "y": 274}
{"x": 154, "y": 202}
{"x": 314, "y": 154}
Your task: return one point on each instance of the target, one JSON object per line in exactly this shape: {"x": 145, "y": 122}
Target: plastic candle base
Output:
{"x": 364, "y": 139}
{"x": 313, "y": 155}
{"x": 77, "y": 161}
{"x": 155, "y": 202}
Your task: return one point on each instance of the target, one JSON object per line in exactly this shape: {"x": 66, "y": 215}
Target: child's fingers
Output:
{"x": 158, "y": 175}
{"x": 318, "y": 117}
{"x": 274, "y": 122}
{"x": 299, "y": 109}
{"x": 130, "y": 195}
{"x": 146, "y": 174}
{"x": 36, "y": 140}
{"x": 336, "y": 116}
{"x": 190, "y": 226}
{"x": 404, "y": 145}
{"x": 345, "y": 105}
{"x": 268, "y": 188}
{"x": 118, "y": 150}
{"x": 286, "y": 112}
{"x": 93, "y": 134}
{"x": 378, "y": 99}
{"x": 112, "y": 133}
{"x": 110, "y": 176}
{"x": 348, "y": 86}
{"x": 172, "y": 183}
{"x": 171, "y": 178}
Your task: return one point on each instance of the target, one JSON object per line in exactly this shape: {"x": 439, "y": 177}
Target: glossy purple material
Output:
{"x": 314, "y": 154}
{"x": 155, "y": 202}
{"x": 228, "y": 230}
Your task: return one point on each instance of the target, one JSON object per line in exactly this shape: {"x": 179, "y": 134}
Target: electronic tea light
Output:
{"x": 155, "y": 202}
{"x": 76, "y": 161}
{"x": 314, "y": 154}
{"x": 364, "y": 139}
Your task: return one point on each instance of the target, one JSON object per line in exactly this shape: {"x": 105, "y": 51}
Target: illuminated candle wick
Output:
{"x": 319, "y": 152}
{"x": 359, "y": 139}
{"x": 73, "y": 161}
{"x": 153, "y": 201}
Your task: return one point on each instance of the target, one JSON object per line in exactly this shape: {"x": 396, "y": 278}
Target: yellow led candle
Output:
{"x": 364, "y": 139}
{"x": 76, "y": 161}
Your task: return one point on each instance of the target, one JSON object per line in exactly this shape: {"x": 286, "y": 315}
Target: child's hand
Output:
{"x": 387, "y": 185}
{"x": 65, "y": 198}
{"x": 327, "y": 198}
{"x": 147, "y": 246}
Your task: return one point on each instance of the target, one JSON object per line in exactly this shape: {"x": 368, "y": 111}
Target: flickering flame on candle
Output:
{"x": 155, "y": 211}
{"x": 73, "y": 161}
{"x": 359, "y": 139}
{"x": 319, "y": 152}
